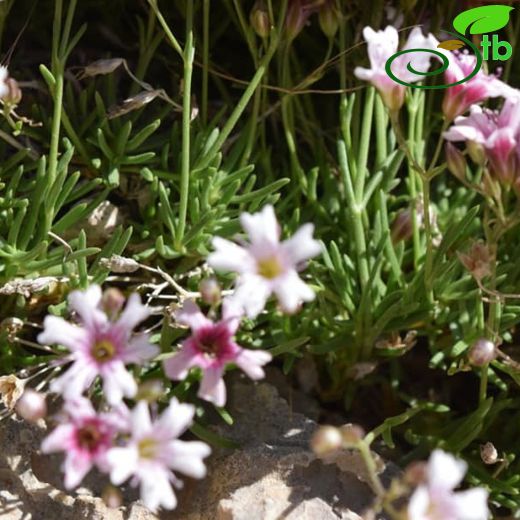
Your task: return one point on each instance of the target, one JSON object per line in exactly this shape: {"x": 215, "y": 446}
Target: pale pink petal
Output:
{"x": 79, "y": 407}
{"x": 178, "y": 366}
{"x": 472, "y": 504}
{"x": 58, "y": 439}
{"x": 419, "y": 504}
{"x": 139, "y": 349}
{"x": 156, "y": 490}
{"x": 141, "y": 420}
{"x": 86, "y": 304}
{"x": 251, "y": 361}
{"x": 292, "y": 291}
{"x": 251, "y": 294}
{"x": 117, "y": 382}
{"x": 75, "y": 380}
{"x": 135, "y": 312}
{"x": 301, "y": 246}
{"x": 186, "y": 457}
{"x": 232, "y": 313}
{"x": 212, "y": 387}
{"x": 191, "y": 315}
{"x": 363, "y": 74}
{"x": 176, "y": 418}
{"x": 57, "y": 331}
{"x": 124, "y": 462}
{"x": 229, "y": 256}
{"x": 445, "y": 471}
{"x": 261, "y": 227}
{"x": 75, "y": 467}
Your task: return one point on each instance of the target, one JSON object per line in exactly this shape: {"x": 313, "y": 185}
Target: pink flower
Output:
{"x": 85, "y": 438}
{"x": 153, "y": 451}
{"x": 482, "y": 86}
{"x": 100, "y": 346}
{"x": 298, "y": 12}
{"x": 382, "y": 45}
{"x": 498, "y": 135}
{"x": 266, "y": 265}
{"x": 211, "y": 347}
{"x": 435, "y": 498}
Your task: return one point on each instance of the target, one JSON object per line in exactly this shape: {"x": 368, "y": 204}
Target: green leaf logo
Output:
{"x": 481, "y": 20}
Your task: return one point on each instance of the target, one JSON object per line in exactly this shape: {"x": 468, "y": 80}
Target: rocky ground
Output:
{"x": 273, "y": 475}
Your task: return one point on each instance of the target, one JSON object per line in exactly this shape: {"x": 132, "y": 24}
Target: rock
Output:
{"x": 272, "y": 475}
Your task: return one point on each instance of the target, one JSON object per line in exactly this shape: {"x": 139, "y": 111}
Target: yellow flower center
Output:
{"x": 270, "y": 267}
{"x": 103, "y": 350}
{"x": 147, "y": 448}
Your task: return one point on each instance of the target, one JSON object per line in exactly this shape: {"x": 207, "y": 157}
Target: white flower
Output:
{"x": 435, "y": 498}
{"x": 153, "y": 451}
{"x": 266, "y": 265}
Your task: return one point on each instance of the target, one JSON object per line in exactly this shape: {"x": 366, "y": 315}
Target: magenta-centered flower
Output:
{"x": 211, "y": 347}
{"x": 496, "y": 134}
{"x": 100, "y": 346}
{"x": 85, "y": 437}
{"x": 381, "y": 46}
{"x": 266, "y": 265}
{"x": 481, "y": 87}
{"x": 435, "y": 499}
{"x": 153, "y": 451}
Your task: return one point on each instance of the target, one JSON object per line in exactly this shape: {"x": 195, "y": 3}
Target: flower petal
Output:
{"x": 117, "y": 382}
{"x": 186, "y": 457}
{"x": 191, "y": 315}
{"x": 178, "y": 366}
{"x": 76, "y": 379}
{"x": 251, "y": 361}
{"x": 57, "y": 331}
{"x": 292, "y": 291}
{"x": 175, "y": 419}
{"x": 261, "y": 227}
{"x": 123, "y": 462}
{"x": 251, "y": 294}
{"x": 229, "y": 256}
{"x": 156, "y": 490}
{"x": 301, "y": 246}
{"x": 76, "y": 465}
{"x": 445, "y": 471}
{"x": 58, "y": 439}
{"x": 212, "y": 387}
{"x": 472, "y": 504}
{"x": 86, "y": 304}
{"x": 139, "y": 350}
{"x": 135, "y": 312}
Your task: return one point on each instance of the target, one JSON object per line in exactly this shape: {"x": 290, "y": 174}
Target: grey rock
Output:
{"x": 272, "y": 475}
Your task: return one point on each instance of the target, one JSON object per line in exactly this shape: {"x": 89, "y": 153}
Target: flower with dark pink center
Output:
{"x": 100, "y": 346}
{"x": 85, "y": 437}
{"x": 212, "y": 347}
{"x": 482, "y": 86}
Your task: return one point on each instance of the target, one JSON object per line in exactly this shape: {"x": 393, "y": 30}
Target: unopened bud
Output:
{"x": 488, "y": 453}
{"x": 482, "y": 352}
{"x": 150, "y": 391}
{"x": 329, "y": 17}
{"x": 32, "y": 406}
{"x": 402, "y": 227}
{"x": 351, "y": 433}
{"x": 326, "y": 440}
{"x": 259, "y": 19}
{"x": 14, "y": 92}
{"x": 112, "y": 497}
{"x": 113, "y": 301}
{"x": 415, "y": 473}
{"x": 476, "y": 152}
{"x": 11, "y": 326}
{"x": 210, "y": 291}
{"x": 456, "y": 161}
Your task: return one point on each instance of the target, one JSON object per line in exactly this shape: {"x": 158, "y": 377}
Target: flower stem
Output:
{"x": 189, "y": 53}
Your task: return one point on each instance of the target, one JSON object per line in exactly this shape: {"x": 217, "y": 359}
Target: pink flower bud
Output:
{"x": 482, "y": 352}
{"x": 112, "y": 497}
{"x": 351, "y": 433}
{"x": 14, "y": 92}
{"x": 113, "y": 301}
{"x": 325, "y": 440}
{"x": 31, "y": 405}
{"x": 402, "y": 227}
{"x": 477, "y": 260}
{"x": 210, "y": 291}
